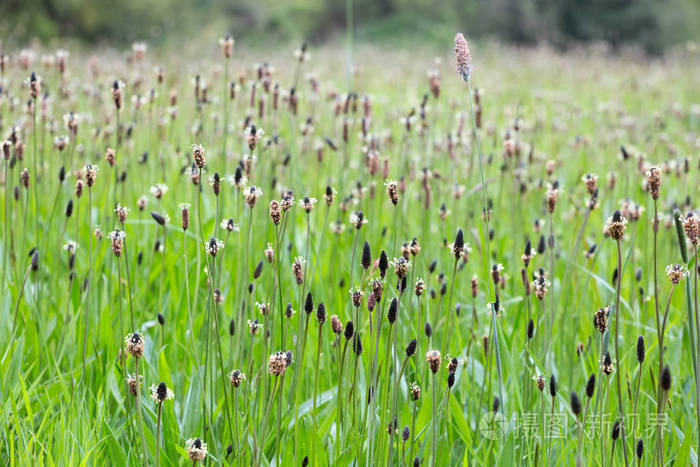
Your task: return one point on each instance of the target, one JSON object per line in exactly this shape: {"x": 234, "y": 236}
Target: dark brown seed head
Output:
{"x": 392, "y": 312}
{"x": 349, "y": 330}
{"x": 411, "y": 348}
{"x": 366, "y": 256}
{"x": 600, "y": 319}
{"x": 357, "y": 345}
{"x": 553, "y": 386}
{"x": 616, "y": 430}
{"x": 321, "y": 314}
{"x": 309, "y": 303}
{"x": 641, "y": 351}
{"x": 666, "y": 378}
{"x": 590, "y": 386}
{"x": 540, "y": 382}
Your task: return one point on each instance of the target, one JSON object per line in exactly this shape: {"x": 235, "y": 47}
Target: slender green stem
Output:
{"x": 617, "y": 352}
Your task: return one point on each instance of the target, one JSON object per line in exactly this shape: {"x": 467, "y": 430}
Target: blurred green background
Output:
{"x": 653, "y": 25}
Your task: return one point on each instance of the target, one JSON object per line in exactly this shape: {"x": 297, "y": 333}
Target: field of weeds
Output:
{"x": 463, "y": 258}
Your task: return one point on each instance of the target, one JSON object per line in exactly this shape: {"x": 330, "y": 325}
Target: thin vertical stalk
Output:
{"x": 617, "y": 350}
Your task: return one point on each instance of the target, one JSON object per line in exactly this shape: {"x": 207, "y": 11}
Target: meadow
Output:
{"x": 232, "y": 257}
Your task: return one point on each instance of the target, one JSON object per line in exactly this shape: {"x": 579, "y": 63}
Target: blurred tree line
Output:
{"x": 651, "y": 24}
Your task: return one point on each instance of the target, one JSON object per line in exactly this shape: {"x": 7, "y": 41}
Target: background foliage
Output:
{"x": 650, "y": 24}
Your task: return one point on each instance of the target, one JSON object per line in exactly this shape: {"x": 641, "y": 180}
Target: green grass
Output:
{"x": 576, "y": 110}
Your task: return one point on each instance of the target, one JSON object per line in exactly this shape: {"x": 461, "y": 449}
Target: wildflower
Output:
{"x": 70, "y": 246}
{"x": 237, "y": 179}
{"x": 298, "y": 269}
{"x": 34, "y": 83}
{"x": 302, "y": 54}
{"x": 434, "y": 360}
{"x": 459, "y": 248}
{"x": 336, "y": 325}
{"x": 691, "y": 226}
{"x": 215, "y": 182}
{"x": 600, "y": 319}
{"x": 289, "y": 310}
{"x": 330, "y": 195}
{"x": 135, "y": 344}
{"x": 591, "y": 182}
{"x": 414, "y": 389}
{"x": 158, "y": 190}
{"x": 185, "y": 210}
{"x": 392, "y": 191}
{"x": 161, "y": 393}
{"x": 275, "y": 212}
{"x": 269, "y": 252}
{"x": 277, "y": 363}
{"x": 226, "y": 44}
{"x": 676, "y": 272}
{"x": 287, "y": 201}
{"x": 196, "y": 449}
{"x": 142, "y": 202}
{"x": 552, "y": 196}
{"x": 110, "y": 156}
{"x": 528, "y": 254}
{"x": 400, "y": 266}
{"x": 253, "y": 135}
{"x": 229, "y": 225}
{"x": 540, "y": 284}
{"x": 118, "y": 94}
{"x": 214, "y": 246}
{"x": 263, "y": 308}
{"x": 415, "y": 247}
{"x": 540, "y": 382}
{"x": 60, "y": 142}
{"x": 218, "y": 297}
{"x": 356, "y": 294}
{"x": 198, "y": 155}
{"x": 358, "y": 219}
{"x": 616, "y": 225}
{"x": 252, "y": 193}
{"x": 653, "y": 174}
{"x": 121, "y": 212}
{"x": 236, "y": 378}
{"x": 254, "y": 327}
{"x": 307, "y": 203}
{"x": 133, "y": 382}
{"x": 607, "y": 364}
{"x": 464, "y": 60}
{"x": 117, "y": 237}
{"x": 420, "y": 287}
{"x": 90, "y": 174}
